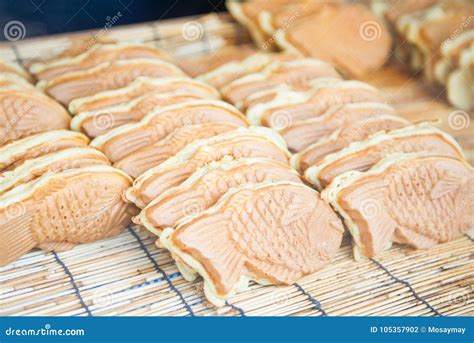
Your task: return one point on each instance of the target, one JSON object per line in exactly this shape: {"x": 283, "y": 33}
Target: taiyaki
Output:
{"x": 352, "y": 132}
{"x": 300, "y": 134}
{"x": 240, "y": 143}
{"x": 17, "y": 152}
{"x": 361, "y": 156}
{"x": 361, "y": 43}
{"x": 141, "y": 86}
{"x": 194, "y": 66}
{"x": 323, "y": 94}
{"x": 228, "y": 72}
{"x": 99, "y": 122}
{"x": 25, "y": 112}
{"x": 7, "y": 66}
{"x": 204, "y": 188}
{"x": 59, "y": 210}
{"x": 414, "y": 199}
{"x": 55, "y": 162}
{"x": 156, "y": 125}
{"x": 247, "y": 14}
{"x": 296, "y": 72}
{"x": 459, "y": 83}
{"x": 75, "y": 45}
{"x": 454, "y": 53}
{"x": 272, "y": 233}
{"x": 105, "y": 76}
{"x": 148, "y": 157}
{"x": 94, "y": 56}
{"x": 272, "y": 20}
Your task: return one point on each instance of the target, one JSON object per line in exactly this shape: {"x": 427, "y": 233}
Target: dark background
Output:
{"x": 45, "y": 17}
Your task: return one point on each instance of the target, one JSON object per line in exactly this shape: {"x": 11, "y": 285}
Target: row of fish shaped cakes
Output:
{"x": 57, "y": 192}
{"x": 337, "y": 126}
{"x": 187, "y": 158}
{"x": 236, "y": 187}
{"x": 24, "y": 110}
{"x": 303, "y": 99}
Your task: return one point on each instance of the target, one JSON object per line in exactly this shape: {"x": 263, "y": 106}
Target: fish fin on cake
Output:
{"x": 56, "y": 246}
{"x": 414, "y": 239}
{"x": 448, "y": 184}
{"x": 273, "y": 273}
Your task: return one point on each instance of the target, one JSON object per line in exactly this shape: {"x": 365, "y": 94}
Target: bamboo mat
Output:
{"x": 128, "y": 275}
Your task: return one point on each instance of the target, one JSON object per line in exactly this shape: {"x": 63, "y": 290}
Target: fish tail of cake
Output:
{"x": 211, "y": 234}
{"x": 16, "y": 237}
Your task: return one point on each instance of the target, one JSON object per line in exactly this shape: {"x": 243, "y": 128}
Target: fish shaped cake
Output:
{"x": 105, "y": 76}
{"x": 454, "y": 53}
{"x": 59, "y": 210}
{"x": 75, "y": 45}
{"x": 204, "y": 188}
{"x": 355, "y": 131}
{"x": 231, "y": 71}
{"x": 271, "y": 20}
{"x": 99, "y": 122}
{"x": 247, "y": 14}
{"x": 55, "y": 162}
{"x": 195, "y": 66}
{"x": 272, "y": 233}
{"x": 433, "y": 206}
{"x": 124, "y": 140}
{"x": 300, "y": 134}
{"x": 283, "y": 110}
{"x": 459, "y": 83}
{"x": 7, "y": 66}
{"x": 94, "y": 56}
{"x": 361, "y": 43}
{"x": 25, "y": 112}
{"x": 361, "y": 156}
{"x": 297, "y": 72}
{"x": 240, "y": 143}
{"x": 17, "y": 152}
{"x": 148, "y": 157}
{"x": 141, "y": 86}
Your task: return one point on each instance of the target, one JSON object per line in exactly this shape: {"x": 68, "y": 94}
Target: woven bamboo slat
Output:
{"x": 128, "y": 275}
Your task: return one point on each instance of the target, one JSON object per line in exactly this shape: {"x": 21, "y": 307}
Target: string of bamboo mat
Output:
{"x": 128, "y": 275}
{"x": 115, "y": 277}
